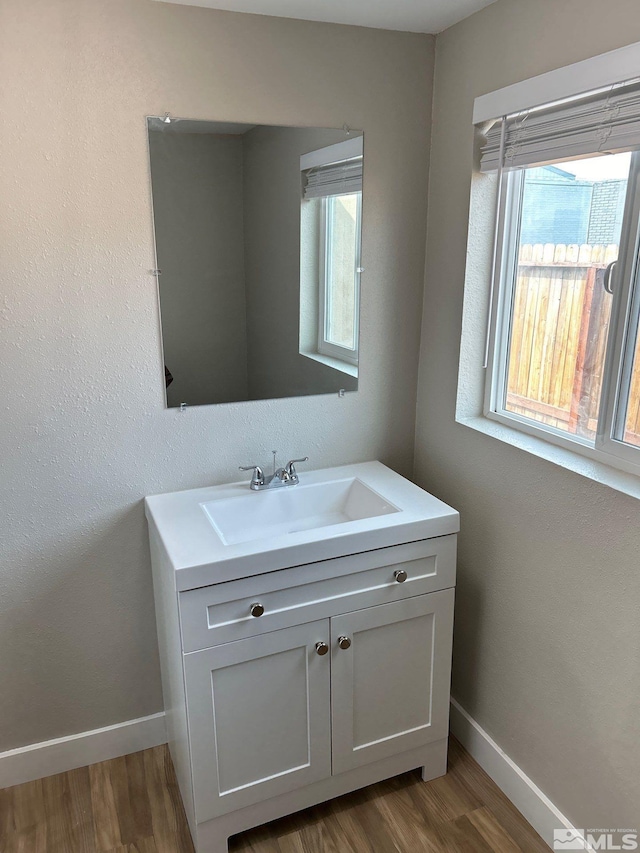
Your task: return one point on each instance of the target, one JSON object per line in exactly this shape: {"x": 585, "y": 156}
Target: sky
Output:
{"x": 609, "y": 167}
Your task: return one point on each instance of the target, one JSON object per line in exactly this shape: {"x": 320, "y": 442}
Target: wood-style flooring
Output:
{"x": 132, "y": 805}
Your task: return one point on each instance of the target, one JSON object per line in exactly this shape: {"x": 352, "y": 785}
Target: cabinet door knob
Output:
{"x": 322, "y": 648}
{"x": 400, "y": 575}
{"x": 344, "y": 642}
{"x": 256, "y": 609}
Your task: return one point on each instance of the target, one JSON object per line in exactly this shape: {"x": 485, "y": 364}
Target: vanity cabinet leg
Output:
{"x": 212, "y": 837}
{"x": 436, "y": 765}
{"x": 214, "y": 845}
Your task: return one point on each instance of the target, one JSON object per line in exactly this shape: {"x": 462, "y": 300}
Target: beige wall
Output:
{"x": 547, "y": 651}
{"x": 84, "y": 433}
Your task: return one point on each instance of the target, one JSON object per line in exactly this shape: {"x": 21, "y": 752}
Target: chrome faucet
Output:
{"x": 286, "y": 476}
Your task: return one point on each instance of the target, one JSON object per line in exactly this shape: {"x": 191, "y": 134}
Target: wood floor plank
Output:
{"x": 460, "y": 836}
{"x": 258, "y": 840}
{"x": 370, "y": 818}
{"x": 399, "y": 810}
{"x": 32, "y": 840}
{"x": 306, "y": 840}
{"x": 318, "y": 837}
{"x": 145, "y": 845}
{"x": 79, "y": 820}
{"x": 126, "y": 809}
{"x": 7, "y": 827}
{"x": 469, "y": 774}
{"x": 495, "y": 836}
{"x": 129, "y": 784}
{"x": 348, "y": 831}
{"x": 26, "y": 807}
{"x": 183, "y": 835}
{"x": 169, "y": 824}
{"x": 55, "y": 790}
{"x": 138, "y": 793}
{"x": 142, "y": 845}
{"x": 105, "y": 810}
{"x": 444, "y": 799}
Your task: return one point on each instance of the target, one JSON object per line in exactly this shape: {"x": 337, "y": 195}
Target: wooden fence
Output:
{"x": 559, "y": 335}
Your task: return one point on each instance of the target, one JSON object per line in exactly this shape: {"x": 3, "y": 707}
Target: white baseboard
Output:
{"x": 533, "y": 804}
{"x": 66, "y": 753}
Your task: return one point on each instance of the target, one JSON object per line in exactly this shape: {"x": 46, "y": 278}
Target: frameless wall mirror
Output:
{"x": 258, "y": 252}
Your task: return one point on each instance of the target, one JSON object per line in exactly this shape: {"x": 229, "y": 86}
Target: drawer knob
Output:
{"x": 322, "y": 648}
{"x": 256, "y": 609}
{"x": 400, "y": 575}
{"x": 344, "y": 642}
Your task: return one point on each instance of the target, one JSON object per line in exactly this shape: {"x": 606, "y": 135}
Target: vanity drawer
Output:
{"x": 221, "y": 613}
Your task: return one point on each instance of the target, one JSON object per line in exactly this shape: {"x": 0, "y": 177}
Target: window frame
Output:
{"x": 623, "y": 330}
{"x": 326, "y": 347}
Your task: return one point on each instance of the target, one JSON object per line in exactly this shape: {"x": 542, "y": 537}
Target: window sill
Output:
{"x": 593, "y": 468}
{"x": 330, "y": 361}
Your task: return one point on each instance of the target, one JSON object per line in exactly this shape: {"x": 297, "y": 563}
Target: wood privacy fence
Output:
{"x": 559, "y": 334}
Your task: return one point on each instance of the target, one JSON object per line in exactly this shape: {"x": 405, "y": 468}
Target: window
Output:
{"x": 564, "y": 345}
{"x": 339, "y": 276}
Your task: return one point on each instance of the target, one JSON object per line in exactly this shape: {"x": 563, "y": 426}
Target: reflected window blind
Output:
{"x": 607, "y": 122}
{"x": 333, "y": 179}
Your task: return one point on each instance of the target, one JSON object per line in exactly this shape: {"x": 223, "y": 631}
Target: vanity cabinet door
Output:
{"x": 259, "y": 717}
{"x": 390, "y": 678}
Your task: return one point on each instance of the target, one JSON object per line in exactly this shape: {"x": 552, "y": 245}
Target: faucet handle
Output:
{"x": 290, "y": 469}
{"x": 258, "y": 474}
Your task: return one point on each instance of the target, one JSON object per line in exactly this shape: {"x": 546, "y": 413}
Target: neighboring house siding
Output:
{"x": 564, "y": 210}
{"x": 607, "y": 210}
{"x": 556, "y": 212}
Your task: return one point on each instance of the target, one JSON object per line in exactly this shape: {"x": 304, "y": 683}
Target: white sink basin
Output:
{"x": 226, "y": 532}
{"x": 292, "y": 509}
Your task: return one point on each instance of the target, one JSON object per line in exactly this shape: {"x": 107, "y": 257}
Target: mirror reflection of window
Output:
{"x": 332, "y": 216}
{"x": 340, "y": 278}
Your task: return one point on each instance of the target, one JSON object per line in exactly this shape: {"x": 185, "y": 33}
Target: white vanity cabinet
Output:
{"x": 270, "y": 714}
{"x": 295, "y": 685}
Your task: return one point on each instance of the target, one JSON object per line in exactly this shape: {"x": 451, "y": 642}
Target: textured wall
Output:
{"x": 547, "y": 652}
{"x": 84, "y": 434}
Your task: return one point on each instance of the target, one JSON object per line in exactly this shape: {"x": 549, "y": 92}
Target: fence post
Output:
{"x": 578, "y": 378}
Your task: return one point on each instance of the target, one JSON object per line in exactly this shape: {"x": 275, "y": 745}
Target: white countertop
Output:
{"x": 199, "y": 556}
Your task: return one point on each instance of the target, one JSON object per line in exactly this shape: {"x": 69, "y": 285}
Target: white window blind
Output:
{"x": 607, "y": 121}
{"x": 333, "y": 179}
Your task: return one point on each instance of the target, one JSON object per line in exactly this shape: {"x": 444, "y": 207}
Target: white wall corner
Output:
{"x": 525, "y": 795}
{"x": 67, "y": 753}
